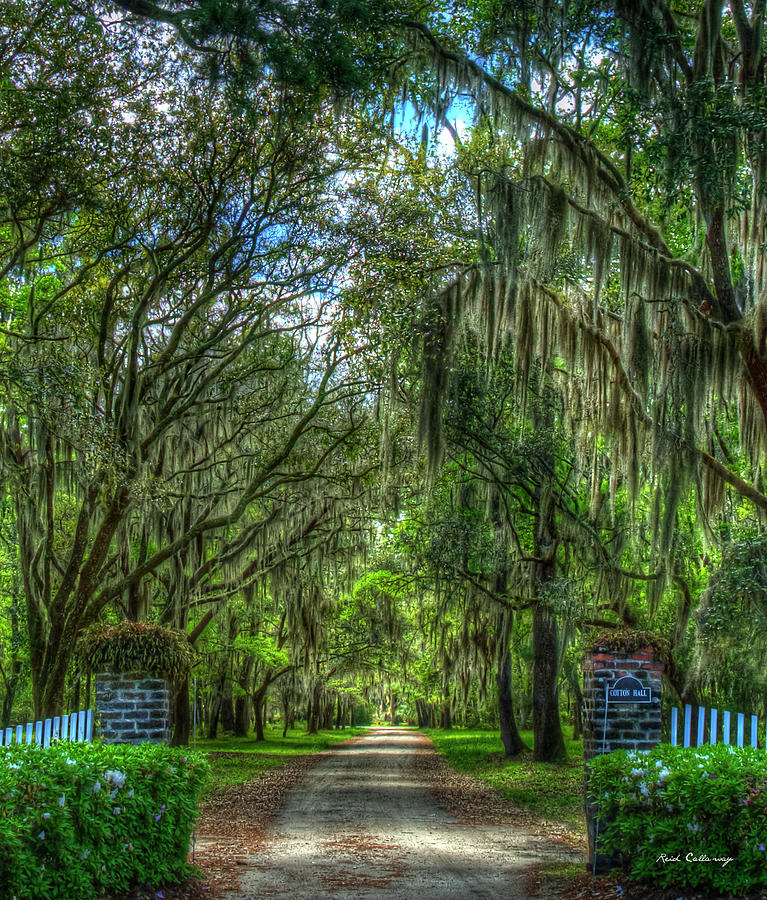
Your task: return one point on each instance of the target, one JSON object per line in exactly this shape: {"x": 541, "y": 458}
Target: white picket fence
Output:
{"x": 74, "y": 727}
{"x": 695, "y": 727}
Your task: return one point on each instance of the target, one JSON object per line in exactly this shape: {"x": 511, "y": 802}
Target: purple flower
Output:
{"x": 761, "y": 847}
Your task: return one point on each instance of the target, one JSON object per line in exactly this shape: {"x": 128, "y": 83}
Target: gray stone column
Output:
{"x": 131, "y": 709}
{"x": 629, "y": 726}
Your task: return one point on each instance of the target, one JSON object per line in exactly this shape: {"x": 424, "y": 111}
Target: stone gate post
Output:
{"x": 132, "y": 709}
{"x": 633, "y": 719}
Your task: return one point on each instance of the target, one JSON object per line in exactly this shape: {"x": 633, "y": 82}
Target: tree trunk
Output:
{"x": 13, "y": 678}
{"x": 258, "y": 718}
{"x": 241, "y": 716}
{"x": 684, "y": 688}
{"x": 260, "y": 700}
{"x": 214, "y": 714}
{"x": 314, "y": 711}
{"x": 327, "y": 715}
{"x": 525, "y": 678}
{"x": 512, "y": 741}
{"x": 258, "y": 708}
{"x": 214, "y": 708}
{"x": 181, "y": 716}
{"x": 445, "y": 721}
{"x": 548, "y": 742}
{"x": 286, "y": 715}
{"x": 339, "y": 713}
{"x": 52, "y": 643}
{"x": 572, "y": 674}
{"x": 227, "y": 709}
{"x": 76, "y": 691}
{"x": 11, "y": 686}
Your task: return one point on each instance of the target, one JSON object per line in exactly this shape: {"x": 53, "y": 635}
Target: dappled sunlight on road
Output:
{"x": 364, "y": 823}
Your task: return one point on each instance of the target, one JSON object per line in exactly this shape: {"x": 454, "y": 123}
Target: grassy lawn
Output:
{"x": 248, "y": 758}
{"x": 550, "y": 792}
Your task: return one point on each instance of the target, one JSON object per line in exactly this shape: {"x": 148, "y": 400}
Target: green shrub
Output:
{"x": 678, "y": 815}
{"x": 80, "y": 819}
{"x": 136, "y": 647}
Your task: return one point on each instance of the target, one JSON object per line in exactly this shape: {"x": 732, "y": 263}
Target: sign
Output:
{"x": 629, "y": 690}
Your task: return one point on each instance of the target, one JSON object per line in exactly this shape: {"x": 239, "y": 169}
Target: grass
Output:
{"x": 550, "y": 792}
{"x": 250, "y": 758}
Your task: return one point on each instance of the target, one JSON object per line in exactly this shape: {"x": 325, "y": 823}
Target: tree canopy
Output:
{"x": 387, "y": 350}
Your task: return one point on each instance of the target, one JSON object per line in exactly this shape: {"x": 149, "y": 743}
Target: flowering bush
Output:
{"x": 80, "y": 819}
{"x": 687, "y": 818}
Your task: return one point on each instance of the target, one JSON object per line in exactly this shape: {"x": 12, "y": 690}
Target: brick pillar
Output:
{"x": 630, "y": 726}
{"x": 131, "y": 709}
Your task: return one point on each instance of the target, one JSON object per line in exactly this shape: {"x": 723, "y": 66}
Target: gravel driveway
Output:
{"x": 364, "y": 824}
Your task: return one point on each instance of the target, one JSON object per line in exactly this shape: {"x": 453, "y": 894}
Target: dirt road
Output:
{"x": 364, "y": 825}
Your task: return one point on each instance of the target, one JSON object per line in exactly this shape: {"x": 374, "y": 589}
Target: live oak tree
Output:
{"x": 623, "y": 229}
{"x": 729, "y": 650}
{"x": 637, "y": 258}
{"x": 175, "y": 215}
{"x": 48, "y": 172}
{"x": 278, "y": 622}
{"x": 618, "y": 166}
{"x": 178, "y": 305}
{"x": 505, "y": 552}
{"x": 314, "y": 48}
{"x": 166, "y": 352}
{"x": 528, "y": 534}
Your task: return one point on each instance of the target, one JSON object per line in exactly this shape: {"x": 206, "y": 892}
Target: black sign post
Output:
{"x": 625, "y": 690}
{"x": 629, "y": 690}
